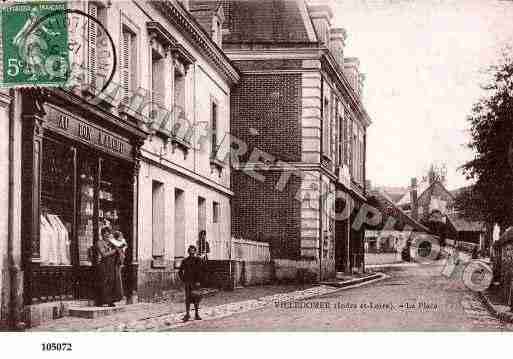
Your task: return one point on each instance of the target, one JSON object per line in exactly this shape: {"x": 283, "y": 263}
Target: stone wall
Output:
{"x": 241, "y": 273}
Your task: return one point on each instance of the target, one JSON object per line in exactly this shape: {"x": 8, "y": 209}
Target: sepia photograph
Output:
{"x": 171, "y": 166}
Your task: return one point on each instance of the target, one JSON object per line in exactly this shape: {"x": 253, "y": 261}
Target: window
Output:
{"x": 179, "y": 223}
{"x": 157, "y": 82}
{"x": 216, "y": 31}
{"x": 215, "y": 212}
{"x": 179, "y": 86}
{"x": 326, "y": 135}
{"x": 128, "y": 63}
{"x": 362, "y": 155}
{"x": 341, "y": 135}
{"x": 346, "y": 140}
{"x": 214, "y": 114}
{"x": 94, "y": 33}
{"x": 202, "y": 214}
{"x": 158, "y": 223}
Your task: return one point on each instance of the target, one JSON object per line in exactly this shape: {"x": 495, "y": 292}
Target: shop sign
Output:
{"x": 79, "y": 129}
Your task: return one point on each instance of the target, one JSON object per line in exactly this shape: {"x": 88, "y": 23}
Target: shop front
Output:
{"x": 349, "y": 237}
{"x": 80, "y": 168}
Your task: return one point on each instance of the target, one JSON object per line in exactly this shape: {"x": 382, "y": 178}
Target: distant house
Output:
{"x": 434, "y": 208}
{"x": 393, "y": 231}
{"x": 465, "y": 231}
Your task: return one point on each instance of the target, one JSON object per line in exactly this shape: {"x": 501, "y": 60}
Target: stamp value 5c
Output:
{"x": 35, "y": 52}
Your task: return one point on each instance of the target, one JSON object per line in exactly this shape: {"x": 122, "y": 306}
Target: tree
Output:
{"x": 491, "y": 128}
{"x": 469, "y": 203}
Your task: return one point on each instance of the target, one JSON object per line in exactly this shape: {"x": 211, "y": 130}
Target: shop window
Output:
{"x": 158, "y": 218}
{"x": 128, "y": 64}
{"x": 179, "y": 223}
{"x": 56, "y": 216}
{"x": 215, "y": 212}
{"x": 86, "y": 207}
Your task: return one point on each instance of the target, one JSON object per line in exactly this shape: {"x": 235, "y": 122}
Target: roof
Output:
{"x": 210, "y": 5}
{"x": 424, "y": 189}
{"x": 383, "y": 197}
{"x": 394, "y": 193}
{"x": 405, "y": 199}
{"x": 462, "y": 225}
{"x": 266, "y": 21}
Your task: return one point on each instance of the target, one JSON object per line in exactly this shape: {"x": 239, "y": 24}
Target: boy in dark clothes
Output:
{"x": 191, "y": 274}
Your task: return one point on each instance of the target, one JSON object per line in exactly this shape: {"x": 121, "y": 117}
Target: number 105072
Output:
{"x": 56, "y": 347}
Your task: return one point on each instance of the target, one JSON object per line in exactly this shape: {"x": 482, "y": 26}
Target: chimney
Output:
{"x": 352, "y": 73}
{"x": 321, "y": 16}
{"x": 185, "y": 4}
{"x": 413, "y": 199}
{"x": 210, "y": 15}
{"x": 338, "y": 42}
{"x": 361, "y": 83}
{"x": 368, "y": 185}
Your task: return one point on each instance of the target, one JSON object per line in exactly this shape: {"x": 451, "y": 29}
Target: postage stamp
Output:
{"x": 34, "y": 52}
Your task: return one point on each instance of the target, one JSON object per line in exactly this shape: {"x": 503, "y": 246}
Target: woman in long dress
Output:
{"x": 109, "y": 287}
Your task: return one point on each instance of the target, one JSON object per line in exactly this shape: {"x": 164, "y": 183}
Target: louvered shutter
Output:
{"x": 91, "y": 53}
{"x": 125, "y": 66}
{"x": 132, "y": 63}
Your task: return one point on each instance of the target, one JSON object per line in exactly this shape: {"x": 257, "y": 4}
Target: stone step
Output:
{"x": 94, "y": 312}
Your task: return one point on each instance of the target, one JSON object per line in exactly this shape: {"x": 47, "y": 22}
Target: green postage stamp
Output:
{"x": 34, "y": 44}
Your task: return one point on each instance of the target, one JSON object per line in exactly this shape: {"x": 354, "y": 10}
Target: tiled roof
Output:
{"x": 275, "y": 21}
{"x": 386, "y": 201}
{"x": 463, "y": 225}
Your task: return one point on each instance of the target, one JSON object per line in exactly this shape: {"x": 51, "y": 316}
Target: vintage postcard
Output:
{"x": 285, "y": 165}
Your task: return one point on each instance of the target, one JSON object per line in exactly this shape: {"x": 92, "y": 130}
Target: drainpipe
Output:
{"x": 14, "y": 305}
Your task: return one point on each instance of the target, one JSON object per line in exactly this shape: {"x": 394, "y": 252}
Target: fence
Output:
{"x": 240, "y": 249}
{"x": 460, "y": 245}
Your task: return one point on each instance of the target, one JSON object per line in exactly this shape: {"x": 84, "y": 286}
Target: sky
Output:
{"x": 424, "y": 61}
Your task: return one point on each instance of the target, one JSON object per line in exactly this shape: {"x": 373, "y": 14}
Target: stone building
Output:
{"x": 299, "y": 117}
{"x": 140, "y": 156}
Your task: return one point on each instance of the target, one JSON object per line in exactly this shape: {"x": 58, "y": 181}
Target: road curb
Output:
{"x": 351, "y": 282}
{"x": 361, "y": 282}
{"x": 502, "y": 316}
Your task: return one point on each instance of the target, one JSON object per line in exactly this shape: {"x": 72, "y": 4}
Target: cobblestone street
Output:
{"x": 433, "y": 303}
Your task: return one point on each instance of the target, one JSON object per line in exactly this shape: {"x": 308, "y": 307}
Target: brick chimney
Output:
{"x": 413, "y": 199}
{"x": 210, "y": 16}
{"x": 321, "y": 16}
{"x": 338, "y": 42}
{"x": 352, "y": 73}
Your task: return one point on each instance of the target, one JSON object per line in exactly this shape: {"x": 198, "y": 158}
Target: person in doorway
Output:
{"x": 108, "y": 286}
{"x": 190, "y": 273}
{"x": 203, "y": 246}
{"x": 119, "y": 243}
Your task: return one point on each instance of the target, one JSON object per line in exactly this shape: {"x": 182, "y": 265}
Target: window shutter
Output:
{"x": 132, "y": 62}
{"x": 214, "y": 128}
{"x": 158, "y": 214}
{"x": 91, "y": 53}
{"x": 125, "y": 66}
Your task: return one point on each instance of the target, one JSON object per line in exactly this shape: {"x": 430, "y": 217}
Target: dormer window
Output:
{"x": 217, "y": 34}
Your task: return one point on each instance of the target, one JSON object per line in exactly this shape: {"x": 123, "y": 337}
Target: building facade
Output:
{"x": 299, "y": 169}
{"x": 140, "y": 156}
